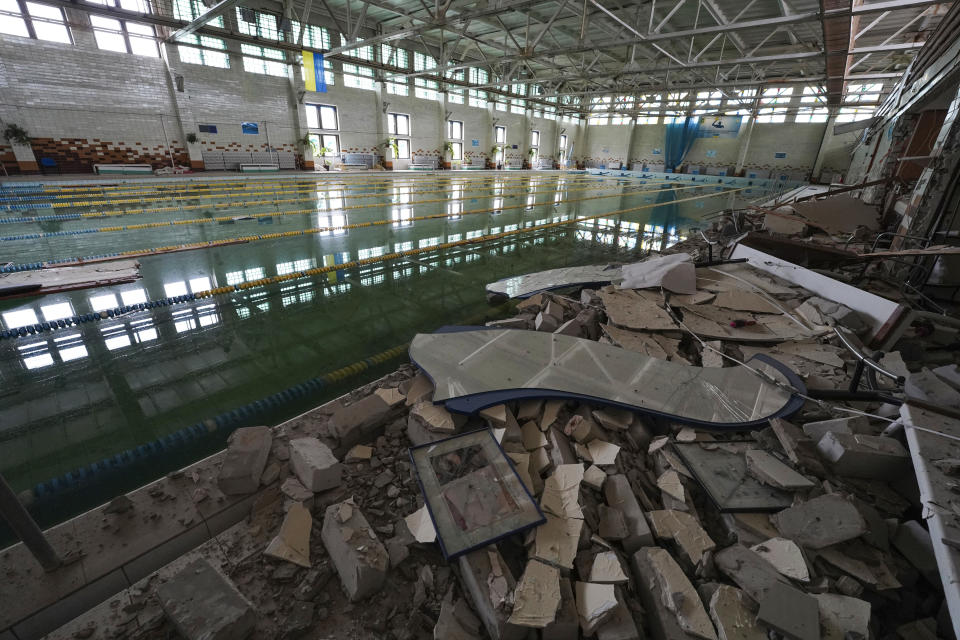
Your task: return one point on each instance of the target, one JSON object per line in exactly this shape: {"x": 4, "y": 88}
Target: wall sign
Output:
{"x": 207, "y": 128}
{"x": 474, "y": 143}
{"x": 250, "y": 127}
{"x": 514, "y": 147}
{"x": 711, "y": 153}
{"x": 657, "y": 152}
{"x": 605, "y": 150}
{"x": 780, "y": 154}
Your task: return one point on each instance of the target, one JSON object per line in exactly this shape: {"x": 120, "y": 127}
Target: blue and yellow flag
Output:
{"x": 313, "y": 68}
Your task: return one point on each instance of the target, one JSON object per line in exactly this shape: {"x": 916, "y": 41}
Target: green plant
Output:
{"x": 16, "y": 134}
{"x": 192, "y": 138}
{"x": 391, "y": 143}
{"x": 495, "y": 149}
{"x": 324, "y": 151}
{"x": 307, "y": 142}
{"x": 448, "y": 148}
{"x": 532, "y": 152}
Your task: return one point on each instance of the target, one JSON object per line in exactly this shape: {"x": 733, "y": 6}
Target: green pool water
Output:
{"x": 78, "y": 395}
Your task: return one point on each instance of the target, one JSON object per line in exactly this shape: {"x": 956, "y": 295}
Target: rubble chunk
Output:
{"x": 842, "y": 615}
{"x": 456, "y": 621}
{"x": 390, "y": 395}
{"x": 769, "y": 470}
{"x": 546, "y": 322}
{"x": 533, "y": 438}
{"x": 874, "y": 573}
{"x": 421, "y": 526}
{"x": 595, "y": 604}
{"x": 203, "y": 605}
{"x": 677, "y": 604}
{"x": 359, "y": 453}
{"x": 359, "y": 422}
{"x": 434, "y": 417}
{"x": 821, "y": 522}
{"x": 356, "y": 552}
{"x": 293, "y": 489}
{"x": 732, "y": 615}
{"x": 247, "y": 451}
{"x": 791, "y": 612}
{"x": 551, "y": 411}
{"x": 864, "y": 456}
{"x": 292, "y": 543}
{"x": 314, "y": 464}
{"x": 669, "y": 482}
{"x": 620, "y": 625}
{"x": 684, "y": 530}
{"x": 488, "y": 583}
{"x": 495, "y": 415}
{"x": 556, "y": 541}
{"x": 606, "y": 569}
{"x": 785, "y": 556}
{"x": 559, "y": 449}
{"x": 751, "y": 572}
{"x": 613, "y": 418}
{"x": 603, "y": 453}
{"x": 419, "y": 389}
{"x": 620, "y": 496}
{"x": 817, "y": 430}
{"x": 925, "y": 385}
{"x": 582, "y": 429}
{"x": 566, "y": 625}
{"x": 561, "y": 492}
{"x": 913, "y": 541}
{"x": 537, "y": 597}
{"x": 612, "y": 524}
{"x": 594, "y": 477}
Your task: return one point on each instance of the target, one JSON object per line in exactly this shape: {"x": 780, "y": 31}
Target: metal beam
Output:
{"x": 900, "y": 46}
{"x": 214, "y": 12}
{"x": 894, "y": 5}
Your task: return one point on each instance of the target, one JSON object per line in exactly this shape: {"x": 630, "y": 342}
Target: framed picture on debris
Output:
{"x": 472, "y": 491}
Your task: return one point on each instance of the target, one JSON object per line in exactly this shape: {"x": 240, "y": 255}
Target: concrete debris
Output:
{"x": 674, "y": 273}
{"x": 556, "y": 541}
{"x": 595, "y": 604}
{"x": 421, "y": 526}
{"x": 913, "y": 541}
{"x": 551, "y": 411}
{"x": 533, "y": 438}
{"x": 864, "y": 456}
{"x": 842, "y": 617}
{"x": 821, "y": 522}
{"x": 391, "y": 396}
{"x": 418, "y": 390}
{"x": 247, "y": 451}
{"x": 521, "y": 463}
{"x": 546, "y": 322}
{"x": 296, "y": 492}
{"x": 583, "y": 429}
{"x": 692, "y": 541}
{"x": 790, "y": 611}
{"x": 925, "y": 629}
{"x": 537, "y": 596}
{"x": 733, "y": 616}
{"x": 950, "y": 374}
{"x": 603, "y": 453}
{"x": 594, "y": 477}
{"x": 435, "y": 418}
{"x": 315, "y": 465}
{"x": 355, "y": 550}
{"x": 820, "y": 428}
{"x": 361, "y": 421}
{"x": 496, "y": 415}
{"x": 672, "y": 590}
{"x": 767, "y": 469}
{"x": 874, "y": 573}
{"x": 561, "y": 492}
{"x": 359, "y": 453}
{"x": 558, "y": 448}
{"x": 456, "y": 621}
{"x": 669, "y": 482}
{"x": 613, "y": 418}
{"x": 752, "y": 573}
{"x": 528, "y": 410}
{"x": 781, "y": 222}
{"x": 204, "y": 605}
{"x": 620, "y": 496}
{"x": 292, "y": 543}
{"x": 785, "y": 556}
{"x": 712, "y": 356}
{"x": 488, "y": 583}
{"x": 606, "y": 569}
{"x": 925, "y": 385}
{"x": 620, "y": 624}
{"x": 566, "y": 625}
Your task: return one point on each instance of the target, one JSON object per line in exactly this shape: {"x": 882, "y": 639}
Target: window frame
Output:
{"x": 497, "y": 138}
{"x": 534, "y": 137}
{"x": 27, "y": 19}
{"x": 393, "y": 118}
{"x": 124, "y": 31}
{"x": 319, "y": 109}
{"x": 451, "y": 125}
{"x": 457, "y": 152}
{"x": 319, "y": 139}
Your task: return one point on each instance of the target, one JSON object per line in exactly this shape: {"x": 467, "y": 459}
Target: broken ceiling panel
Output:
{"x": 530, "y": 283}
{"x": 472, "y": 491}
{"x": 480, "y": 367}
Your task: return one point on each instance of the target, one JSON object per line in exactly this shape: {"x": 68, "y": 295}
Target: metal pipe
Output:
{"x": 26, "y": 529}
{"x": 870, "y": 362}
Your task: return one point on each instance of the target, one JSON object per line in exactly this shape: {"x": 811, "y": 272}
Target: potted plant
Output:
{"x": 493, "y": 155}
{"x": 531, "y": 152}
{"x": 392, "y": 145}
{"x": 192, "y": 138}
{"x": 447, "y": 151}
{"x": 15, "y": 134}
{"x": 323, "y": 151}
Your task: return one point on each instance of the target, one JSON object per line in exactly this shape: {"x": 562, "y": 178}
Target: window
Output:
{"x": 499, "y": 134}
{"x": 398, "y": 124}
{"x": 322, "y": 116}
{"x": 455, "y": 96}
{"x": 358, "y": 77}
{"x": 268, "y": 61}
{"x": 403, "y": 146}
{"x": 32, "y": 20}
{"x": 477, "y": 98}
{"x": 852, "y": 114}
{"x": 518, "y": 105}
{"x": 707, "y": 102}
{"x": 361, "y": 53}
{"x": 124, "y": 36}
{"x": 863, "y": 92}
{"x": 534, "y": 138}
{"x": 394, "y": 56}
{"x": 202, "y": 52}
{"x": 257, "y": 23}
{"x": 769, "y": 115}
{"x": 809, "y": 114}
{"x": 563, "y": 141}
{"x": 423, "y": 62}
{"x": 314, "y": 37}
{"x": 455, "y": 129}
{"x": 774, "y": 96}
{"x": 397, "y": 86}
{"x": 742, "y": 103}
{"x": 326, "y": 145}
{"x": 191, "y": 9}
{"x": 426, "y": 89}
{"x": 457, "y": 151}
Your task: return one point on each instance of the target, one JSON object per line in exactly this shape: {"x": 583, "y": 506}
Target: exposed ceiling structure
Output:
{"x": 543, "y": 49}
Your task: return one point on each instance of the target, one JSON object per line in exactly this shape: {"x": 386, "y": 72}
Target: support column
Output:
{"x": 26, "y": 161}
{"x": 633, "y": 138}
{"x": 822, "y": 151}
{"x": 296, "y": 89}
{"x": 26, "y": 529}
{"x": 744, "y": 145}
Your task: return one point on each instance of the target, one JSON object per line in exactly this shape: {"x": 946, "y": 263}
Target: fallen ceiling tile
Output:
{"x": 537, "y": 596}
{"x": 674, "y": 272}
{"x": 529, "y": 284}
{"x": 785, "y": 556}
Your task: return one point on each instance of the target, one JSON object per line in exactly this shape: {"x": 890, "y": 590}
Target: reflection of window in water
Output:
{"x": 472, "y": 489}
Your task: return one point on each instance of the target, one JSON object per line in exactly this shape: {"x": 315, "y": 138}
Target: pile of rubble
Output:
{"x": 807, "y": 528}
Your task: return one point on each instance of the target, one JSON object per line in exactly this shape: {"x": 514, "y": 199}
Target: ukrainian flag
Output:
{"x": 313, "y": 71}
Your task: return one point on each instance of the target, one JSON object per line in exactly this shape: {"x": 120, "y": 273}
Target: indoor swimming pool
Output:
{"x": 300, "y": 295}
